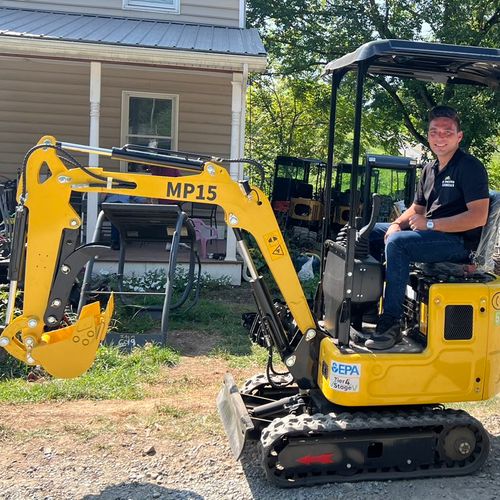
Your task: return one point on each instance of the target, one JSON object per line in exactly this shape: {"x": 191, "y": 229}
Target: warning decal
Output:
{"x": 278, "y": 251}
{"x": 275, "y": 245}
{"x": 495, "y": 301}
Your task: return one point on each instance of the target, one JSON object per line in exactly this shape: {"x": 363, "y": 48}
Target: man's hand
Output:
{"x": 393, "y": 228}
{"x": 418, "y": 222}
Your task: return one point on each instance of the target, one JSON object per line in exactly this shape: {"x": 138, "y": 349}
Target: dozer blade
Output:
{"x": 234, "y": 415}
{"x": 70, "y": 352}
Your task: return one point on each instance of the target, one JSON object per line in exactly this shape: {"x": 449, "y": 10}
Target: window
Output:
{"x": 149, "y": 120}
{"x": 156, "y": 5}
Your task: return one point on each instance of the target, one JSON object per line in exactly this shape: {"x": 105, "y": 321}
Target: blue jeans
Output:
{"x": 404, "y": 247}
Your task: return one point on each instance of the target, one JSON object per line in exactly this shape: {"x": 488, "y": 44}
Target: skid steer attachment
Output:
{"x": 234, "y": 415}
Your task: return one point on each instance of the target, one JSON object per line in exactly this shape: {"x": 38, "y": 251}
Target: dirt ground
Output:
{"x": 173, "y": 446}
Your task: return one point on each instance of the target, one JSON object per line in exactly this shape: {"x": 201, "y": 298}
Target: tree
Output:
{"x": 291, "y": 117}
{"x": 286, "y": 118}
{"x": 302, "y": 35}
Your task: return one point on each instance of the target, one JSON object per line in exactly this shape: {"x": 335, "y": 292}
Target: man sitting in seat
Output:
{"x": 443, "y": 223}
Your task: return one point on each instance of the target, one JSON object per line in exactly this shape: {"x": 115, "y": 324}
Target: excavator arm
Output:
{"x": 47, "y": 233}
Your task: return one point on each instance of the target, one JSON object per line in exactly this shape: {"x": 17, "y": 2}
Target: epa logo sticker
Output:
{"x": 345, "y": 377}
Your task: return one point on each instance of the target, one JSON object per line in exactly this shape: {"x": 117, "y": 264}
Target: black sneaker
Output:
{"x": 387, "y": 334}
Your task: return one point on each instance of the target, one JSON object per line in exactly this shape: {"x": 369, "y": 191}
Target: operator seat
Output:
{"x": 482, "y": 258}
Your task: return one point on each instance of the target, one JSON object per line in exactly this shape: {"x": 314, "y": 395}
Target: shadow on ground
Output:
{"x": 134, "y": 491}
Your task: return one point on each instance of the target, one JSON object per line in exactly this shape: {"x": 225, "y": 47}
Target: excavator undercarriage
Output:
{"x": 302, "y": 443}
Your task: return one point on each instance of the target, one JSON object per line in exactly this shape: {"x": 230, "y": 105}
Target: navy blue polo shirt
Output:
{"x": 446, "y": 193}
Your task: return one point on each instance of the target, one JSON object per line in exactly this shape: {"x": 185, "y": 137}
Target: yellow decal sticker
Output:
{"x": 496, "y": 300}
{"x": 275, "y": 245}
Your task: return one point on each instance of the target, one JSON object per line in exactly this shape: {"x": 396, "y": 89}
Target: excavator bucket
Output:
{"x": 64, "y": 353}
{"x": 234, "y": 415}
{"x": 70, "y": 351}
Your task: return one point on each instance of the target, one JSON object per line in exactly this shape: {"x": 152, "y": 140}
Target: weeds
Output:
{"x": 171, "y": 411}
{"x": 5, "y": 433}
{"x": 4, "y": 299}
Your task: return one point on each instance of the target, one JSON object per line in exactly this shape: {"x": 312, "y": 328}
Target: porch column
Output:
{"x": 244, "y": 87}
{"x": 243, "y": 9}
{"x": 234, "y": 169}
{"x": 95, "y": 113}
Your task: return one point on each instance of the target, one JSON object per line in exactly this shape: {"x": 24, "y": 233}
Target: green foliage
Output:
{"x": 155, "y": 280}
{"x": 494, "y": 172}
{"x": 11, "y": 367}
{"x": 114, "y": 375}
{"x": 4, "y": 299}
{"x": 286, "y": 117}
{"x": 302, "y": 35}
{"x": 135, "y": 317}
{"x": 219, "y": 315}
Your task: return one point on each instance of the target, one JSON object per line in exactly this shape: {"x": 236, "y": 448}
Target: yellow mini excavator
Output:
{"x": 341, "y": 412}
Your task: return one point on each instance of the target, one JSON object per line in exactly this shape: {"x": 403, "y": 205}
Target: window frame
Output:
{"x": 125, "y": 115}
{"x": 147, "y": 6}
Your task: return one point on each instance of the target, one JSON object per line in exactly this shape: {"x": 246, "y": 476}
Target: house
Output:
{"x": 165, "y": 72}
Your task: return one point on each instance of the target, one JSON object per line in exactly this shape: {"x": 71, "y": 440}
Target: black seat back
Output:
{"x": 490, "y": 236}
{"x": 482, "y": 258}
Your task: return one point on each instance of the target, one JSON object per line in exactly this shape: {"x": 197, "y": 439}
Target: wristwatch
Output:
{"x": 430, "y": 224}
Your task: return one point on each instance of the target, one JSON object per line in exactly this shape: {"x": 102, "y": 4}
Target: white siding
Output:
{"x": 44, "y": 98}
{"x": 218, "y": 12}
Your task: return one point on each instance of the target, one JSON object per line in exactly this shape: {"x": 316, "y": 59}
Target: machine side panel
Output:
{"x": 492, "y": 379}
{"x": 446, "y": 371}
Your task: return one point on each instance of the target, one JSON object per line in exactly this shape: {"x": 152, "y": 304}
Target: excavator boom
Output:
{"x": 49, "y": 236}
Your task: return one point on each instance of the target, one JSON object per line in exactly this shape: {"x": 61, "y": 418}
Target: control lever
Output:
{"x": 362, "y": 248}
{"x": 364, "y": 233}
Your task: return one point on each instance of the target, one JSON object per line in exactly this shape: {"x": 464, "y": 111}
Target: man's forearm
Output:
{"x": 404, "y": 219}
{"x": 458, "y": 223}
{"x": 475, "y": 216}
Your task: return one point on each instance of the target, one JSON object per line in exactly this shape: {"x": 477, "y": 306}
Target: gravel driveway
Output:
{"x": 136, "y": 465}
{"x": 173, "y": 446}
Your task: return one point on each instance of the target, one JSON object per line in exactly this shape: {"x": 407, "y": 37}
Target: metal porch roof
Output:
{"x": 129, "y": 32}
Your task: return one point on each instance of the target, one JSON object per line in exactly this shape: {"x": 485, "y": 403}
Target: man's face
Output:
{"x": 444, "y": 137}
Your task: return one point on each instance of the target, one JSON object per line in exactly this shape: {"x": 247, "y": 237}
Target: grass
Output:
{"x": 178, "y": 424}
{"x": 114, "y": 375}
{"x": 126, "y": 320}
{"x": 221, "y": 315}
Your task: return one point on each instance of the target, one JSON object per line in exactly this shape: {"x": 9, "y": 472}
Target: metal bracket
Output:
{"x": 65, "y": 277}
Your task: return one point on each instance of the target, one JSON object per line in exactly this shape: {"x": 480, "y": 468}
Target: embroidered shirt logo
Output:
{"x": 448, "y": 182}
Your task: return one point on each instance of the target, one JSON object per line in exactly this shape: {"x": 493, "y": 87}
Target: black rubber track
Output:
{"x": 440, "y": 421}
